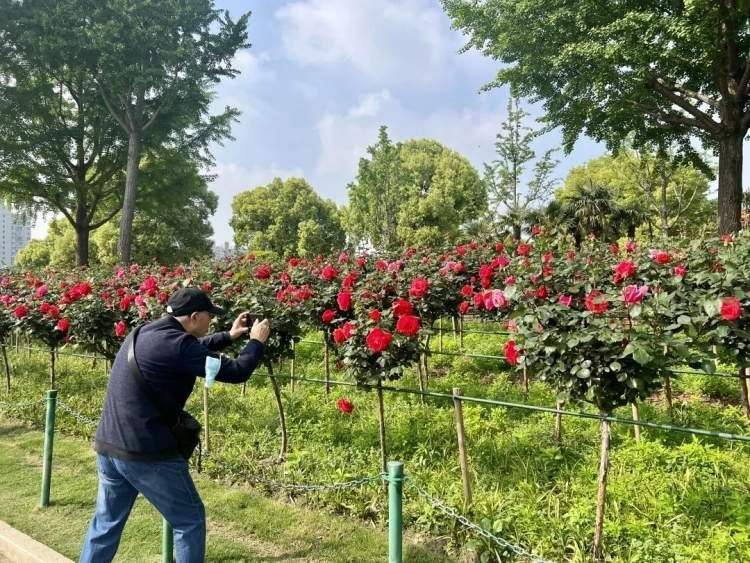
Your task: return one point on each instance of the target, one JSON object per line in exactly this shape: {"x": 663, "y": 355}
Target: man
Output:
{"x": 136, "y": 450}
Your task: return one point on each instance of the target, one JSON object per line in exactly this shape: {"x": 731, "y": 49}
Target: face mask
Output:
{"x": 213, "y": 365}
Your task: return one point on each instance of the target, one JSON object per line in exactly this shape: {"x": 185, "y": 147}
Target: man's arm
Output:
{"x": 216, "y": 342}
{"x": 233, "y": 370}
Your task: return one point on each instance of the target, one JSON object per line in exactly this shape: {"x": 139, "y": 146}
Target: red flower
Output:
{"x": 731, "y": 308}
{"x": 206, "y": 287}
{"x": 536, "y": 230}
{"x": 402, "y": 307}
{"x": 125, "y": 302}
{"x": 630, "y": 247}
{"x": 596, "y": 302}
{"x": 345, "y": 406}
{"x": 660, "y": 256}
{"x": 408, "y": 325}
{"x": 633, "y": 294}
{"x": 499, "y": 247}
{"x": 614, "y": 248}
{"x": 624, "y": 270}
{"x": 343, "y": 333}
{"x": 344, "y": 300}
{"x": 541, "y": 292}
{"x": 381, "y": 265}
{"x": 419, "y": 287}
{"x": 263, "y": 272}
{"x": 121, "y": 328}
{"x": 565, "y": 300}
{"x": 329, "y": 273}
{"x": 63, "y": 325}
{"x": 511, "y": 352}
{"x": 21, "y": 311}
{"x": 679, "y": 271}
{"x": 464, "y": 307}
{"x": 328, "y": 315}
{"x": 293, "y": 262}
{"x": 523, "y": 249}
{"x": 375, "y": 315}
{"x": 361, "y": 261}
{"x": 378, "y": 340}
{"x": 467, "y": 291}
{"x": 349, "y": 280}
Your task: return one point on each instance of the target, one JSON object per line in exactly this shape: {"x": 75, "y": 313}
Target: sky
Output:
{"x": 323, "y": 75}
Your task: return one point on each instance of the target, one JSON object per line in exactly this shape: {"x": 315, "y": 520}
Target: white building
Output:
{"x": 15, "y": 232}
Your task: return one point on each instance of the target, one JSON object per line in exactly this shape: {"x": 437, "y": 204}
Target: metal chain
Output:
{"x": 78, "y": 416}
{"x": 453, "y": 513}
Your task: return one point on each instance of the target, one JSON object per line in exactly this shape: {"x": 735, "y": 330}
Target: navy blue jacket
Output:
{"x": 170, "y": 359}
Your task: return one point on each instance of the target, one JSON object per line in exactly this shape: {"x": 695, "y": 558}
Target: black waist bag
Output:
{"x": 184, "y": 427}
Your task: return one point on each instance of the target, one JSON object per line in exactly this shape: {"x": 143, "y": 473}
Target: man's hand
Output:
{"x": 261, "y": 330}
{"x": 239, "y": 327}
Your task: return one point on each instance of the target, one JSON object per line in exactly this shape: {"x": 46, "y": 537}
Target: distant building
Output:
{"x": 15, "y": 232}
{"x": 223, "y": 251}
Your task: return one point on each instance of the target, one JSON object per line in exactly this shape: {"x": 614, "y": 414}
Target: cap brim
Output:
{"x": 218, "y": 311}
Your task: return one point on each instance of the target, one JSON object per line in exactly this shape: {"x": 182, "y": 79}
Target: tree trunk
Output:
{"x": 730, "y": 183}
{"x": 82, "y": 237}
{"x": 280, "y": 408}
{"x": 745, "y": 390}
{"x": 381, "y": 427}
{"x": 517, "y": 232}
{"x": 602, "y": 493}
{"x": 7, "y": 367}
{"x": 52, "y": 357}
{"x": 131, "y": 190}
{"x": 327, "y": 363}
{"x": 668, "y": 394}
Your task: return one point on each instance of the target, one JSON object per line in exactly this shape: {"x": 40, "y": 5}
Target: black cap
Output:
{"x": 188, "y": 300}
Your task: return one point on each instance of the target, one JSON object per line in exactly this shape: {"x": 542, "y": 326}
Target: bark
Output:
{"x": 131, "y": 189}
{"x": 602, "y": 493}
{"x": 730, "y": 183}
{"x": 280, "y": 408}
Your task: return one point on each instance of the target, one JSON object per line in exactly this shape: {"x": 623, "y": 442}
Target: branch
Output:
{"x": 115, "y": 114}
{"x": 708, "y": 100}
{"x": 702, "y": 119}
{"x": 107, "y": 219}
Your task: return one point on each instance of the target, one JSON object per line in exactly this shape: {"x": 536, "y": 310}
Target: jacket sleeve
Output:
{"x": 216, "y": 342}
{"x": 233, "y": 370}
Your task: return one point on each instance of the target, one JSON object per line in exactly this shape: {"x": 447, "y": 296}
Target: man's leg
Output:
{"x": 113, "y": 504}
{"x": 168, "y": 486}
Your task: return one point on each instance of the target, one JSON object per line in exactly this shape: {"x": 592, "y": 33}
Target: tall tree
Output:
{"x": 505, "y": 175}
{"x": 665, "y": 72}
{"x": 376, "y": 194}
{"x": 417, "y": 192}
{"x": 154, "y": 64}
{"x": 60, "y": 150}
{"x": 286, "y": 217}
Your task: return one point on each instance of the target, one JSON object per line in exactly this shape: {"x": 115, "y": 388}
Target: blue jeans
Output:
{"x": 165, "y": 484}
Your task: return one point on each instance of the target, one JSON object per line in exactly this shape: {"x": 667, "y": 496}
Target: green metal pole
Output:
{"x": 167, "y": 542}
{"x": 395, "y": 520}
{"x": 49, "y": 438}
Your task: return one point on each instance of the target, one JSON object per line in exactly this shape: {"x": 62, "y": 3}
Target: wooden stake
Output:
{"x": 636, "y": 417}
{"x": 602, "y": 493}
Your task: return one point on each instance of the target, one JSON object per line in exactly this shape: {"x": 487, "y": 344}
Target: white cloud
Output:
{"x": 345, "y": 136}
{"x": 389, "y": 41}
{"x": 253, "y": 67}
{"x": 233, "y": 178}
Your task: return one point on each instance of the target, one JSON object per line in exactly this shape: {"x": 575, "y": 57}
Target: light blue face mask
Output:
{"x": 213, "y": 365}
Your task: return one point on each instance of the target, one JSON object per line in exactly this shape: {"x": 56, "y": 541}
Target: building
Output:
{"x": 15, "y": 232}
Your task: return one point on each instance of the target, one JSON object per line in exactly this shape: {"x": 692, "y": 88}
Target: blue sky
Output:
{"x": 323, "y": 75}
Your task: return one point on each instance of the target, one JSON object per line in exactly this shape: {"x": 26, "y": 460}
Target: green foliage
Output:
{"x": 505, "y": 175}
{"x": 413, "y": 193}
{"x": 286, "y": 217}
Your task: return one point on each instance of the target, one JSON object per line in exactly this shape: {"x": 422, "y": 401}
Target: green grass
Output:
{"x": 672, "y": 497}
{"x": 242, "y": 525}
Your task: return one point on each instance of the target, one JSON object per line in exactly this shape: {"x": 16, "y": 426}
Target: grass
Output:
{"x": 242, "y": 525}
{"x": 672, "y": 497}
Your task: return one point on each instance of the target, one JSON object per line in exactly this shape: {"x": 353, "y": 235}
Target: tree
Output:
{"x": 442, "y": 192}
{"x": 418, "y": 192}
{"x": 170, "y": 226}
{"x": 668, "y": 195}
{"x": 154, "y": 64}
{"x": 505, "y": 175}
{"x": 34, "y": 256}
{"x": 287, "y": 217}
{"x": 663, "y": 72}
{"x": 60, "y": 150}
{"x": 376, "y": 194}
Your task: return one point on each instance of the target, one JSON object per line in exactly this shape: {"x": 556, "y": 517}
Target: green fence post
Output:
{"x": 167, "y": 542}
{"x": 395, "y": 520}
{"x": 49, "y": 438}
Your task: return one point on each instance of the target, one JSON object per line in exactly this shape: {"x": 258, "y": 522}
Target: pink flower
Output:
{"x": 121, "y": 329}
{"x": 679, "y": 271}
{"x": 634, "y": 294}
{"x": 498, "y": 298}
{"x": 660, "y": 256}
{"x": 41, "y": 291}
{"x": 624, "y": 270}
{"x": 731, "y": 308}
{"x": 565, "y": 300}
